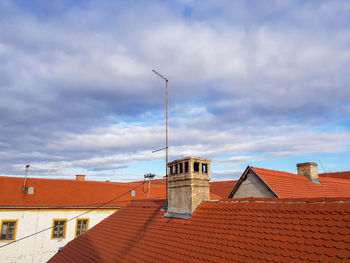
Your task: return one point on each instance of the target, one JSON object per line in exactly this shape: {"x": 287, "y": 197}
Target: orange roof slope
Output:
{"x": 290, "y": 185}
{"x": 341, "y": 175}
{"x": 221, "y": 190}
{"x": 71, "y": 193}
{"x": 250, "y": 230}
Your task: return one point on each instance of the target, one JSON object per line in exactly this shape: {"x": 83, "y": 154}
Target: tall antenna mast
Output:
{"x": 25, "y": 179}
{"x": 166, "y": 131}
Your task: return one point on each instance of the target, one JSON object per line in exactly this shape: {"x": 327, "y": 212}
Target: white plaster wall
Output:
{"x": 41, "y": 247}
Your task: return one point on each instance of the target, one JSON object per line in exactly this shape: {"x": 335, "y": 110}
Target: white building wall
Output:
{"x": 41, "y": 247}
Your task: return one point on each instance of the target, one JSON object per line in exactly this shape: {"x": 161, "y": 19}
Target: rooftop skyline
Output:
{"x": 261, "y": 83}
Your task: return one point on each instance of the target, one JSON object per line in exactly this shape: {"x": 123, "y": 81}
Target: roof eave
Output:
{"x": 240, "y": 180}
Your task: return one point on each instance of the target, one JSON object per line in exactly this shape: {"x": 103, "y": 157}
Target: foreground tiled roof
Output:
{"x": 250, "y": 230}
{"x": 290, "y": 185}
{"x": 71, "y": 193}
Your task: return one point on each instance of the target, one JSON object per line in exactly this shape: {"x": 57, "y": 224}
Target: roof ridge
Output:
{"x": 66, "y": 180}
{"x": 254, "y": 167}
{"x": 335, "y": 172}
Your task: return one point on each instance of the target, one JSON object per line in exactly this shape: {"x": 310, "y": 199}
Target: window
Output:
{"x": 8, "y": 229}
{"x": 59, "y": 228}
{"x": 82, "y": 225}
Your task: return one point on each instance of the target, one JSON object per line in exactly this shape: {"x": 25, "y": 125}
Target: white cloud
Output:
{"x": 78, "y": 91}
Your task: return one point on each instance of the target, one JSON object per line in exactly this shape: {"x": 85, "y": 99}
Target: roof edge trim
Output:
{"x": 240, "y": 180}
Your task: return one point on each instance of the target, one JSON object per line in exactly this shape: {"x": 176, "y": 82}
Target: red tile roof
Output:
{"x": 242, "y": 230}
{"x": 341, "y": 175}
{"x": 221, "y": 190}
{"x": 290, "y": 185}
{"x": 71, "y": 193}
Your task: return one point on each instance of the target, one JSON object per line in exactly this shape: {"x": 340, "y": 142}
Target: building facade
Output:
{"x": 40, "y": 216}
{"x": 55, "y": 227}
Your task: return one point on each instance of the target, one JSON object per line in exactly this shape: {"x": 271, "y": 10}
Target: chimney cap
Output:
{"x": 80, "y": 177}
{"x": 307, "y": 164}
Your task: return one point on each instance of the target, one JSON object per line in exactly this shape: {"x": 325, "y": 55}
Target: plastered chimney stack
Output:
{"x": 80, "y": 177}
{"x": 188, "y": 186}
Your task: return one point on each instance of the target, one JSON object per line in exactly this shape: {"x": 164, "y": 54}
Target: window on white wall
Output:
{"x": 82, "y": 225}
{"x": 59, "y": 228}
{"x": 8, "y": 229}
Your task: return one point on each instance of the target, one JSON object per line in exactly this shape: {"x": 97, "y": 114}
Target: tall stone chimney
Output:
{"x": 80, "y": 177}
{"x": 188, "y": 186}
{"x": 309, "y": 170}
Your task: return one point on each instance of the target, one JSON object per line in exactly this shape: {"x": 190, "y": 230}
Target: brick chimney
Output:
{"x": 80, "y": 177}
{"x": 309, "y": 170}
{"x": 188, "y": 186}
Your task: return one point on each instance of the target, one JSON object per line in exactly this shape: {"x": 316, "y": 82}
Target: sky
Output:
{"x": 261, "y": 83}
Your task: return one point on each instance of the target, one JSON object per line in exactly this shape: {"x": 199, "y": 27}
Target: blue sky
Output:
{"x": 262, "y": 83}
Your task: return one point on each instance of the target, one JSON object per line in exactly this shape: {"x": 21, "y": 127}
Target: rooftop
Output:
{"x": 254, "y": 230}
{"x": 341, "y": 175}
{"x": 73, "y": 193}
{"x": 290, "y": 185}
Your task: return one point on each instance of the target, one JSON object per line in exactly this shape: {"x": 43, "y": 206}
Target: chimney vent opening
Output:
{"x": 204, "y": 168}
{"x": 196, "y": 167}
{"x": 186, "y": 167}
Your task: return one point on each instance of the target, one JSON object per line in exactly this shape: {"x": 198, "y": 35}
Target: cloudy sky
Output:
{"x": 262, "y": 83}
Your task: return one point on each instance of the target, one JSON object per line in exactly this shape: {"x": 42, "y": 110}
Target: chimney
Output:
{"x": 80, "y": 177}
{"x": 309, "y": 170}
{"x": 188, "y": 186}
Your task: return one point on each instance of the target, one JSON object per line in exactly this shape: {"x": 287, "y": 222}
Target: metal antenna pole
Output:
{"x": 166, "y": 132}
{"x": 25, "y": 179}
{"x": 166, "y": 139}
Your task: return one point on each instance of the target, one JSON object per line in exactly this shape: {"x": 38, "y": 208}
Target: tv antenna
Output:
{"x": 166, "y": 132}
{"x": 149, "y": 176}
{"x": 25, "y": 178}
